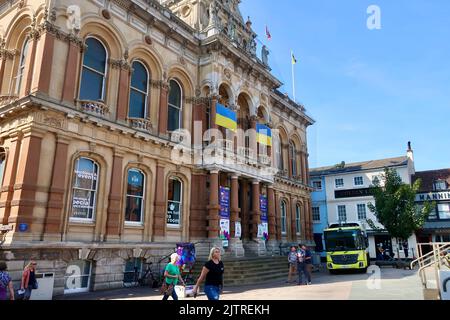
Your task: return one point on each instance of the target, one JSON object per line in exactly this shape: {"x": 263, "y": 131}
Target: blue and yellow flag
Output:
{"x": 263, "y": 134}
{"x": 226, "y": 118}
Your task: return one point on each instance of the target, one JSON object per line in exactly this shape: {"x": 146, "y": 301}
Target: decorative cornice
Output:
{"x": 119, "y": 64}
{"x": 8, "y": 54}
{"x": 159, "y": 84}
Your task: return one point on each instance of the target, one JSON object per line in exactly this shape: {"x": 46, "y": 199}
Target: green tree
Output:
{"x": 395, "y": 206}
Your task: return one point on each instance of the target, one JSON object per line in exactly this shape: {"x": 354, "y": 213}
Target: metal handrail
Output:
{"x": 434, "y": 257}
{"x": 445, "y": 245}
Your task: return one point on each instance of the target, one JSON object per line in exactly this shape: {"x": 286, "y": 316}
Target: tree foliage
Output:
{"x": 395, "y": 206}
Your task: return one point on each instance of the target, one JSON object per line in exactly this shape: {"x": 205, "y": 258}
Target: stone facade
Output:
{"x": 47, "y": 125}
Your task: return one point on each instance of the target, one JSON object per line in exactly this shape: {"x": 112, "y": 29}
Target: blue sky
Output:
{"x": 370, "y": 91}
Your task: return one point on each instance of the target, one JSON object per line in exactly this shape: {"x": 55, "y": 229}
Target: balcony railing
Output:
{"x": 140, "y": 124}
{"x": 94, "y": 107}
{"x": 264, "y": 159}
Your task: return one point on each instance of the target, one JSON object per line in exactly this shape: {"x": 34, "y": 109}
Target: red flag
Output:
{"x": 269, "y": 36}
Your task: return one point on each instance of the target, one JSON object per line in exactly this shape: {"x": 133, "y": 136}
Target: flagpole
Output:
{"x": 293, "y": 76}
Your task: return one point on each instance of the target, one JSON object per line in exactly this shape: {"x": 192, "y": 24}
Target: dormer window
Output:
{"x": 440, "y": 185}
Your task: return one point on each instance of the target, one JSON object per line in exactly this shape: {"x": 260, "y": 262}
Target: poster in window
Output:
{"x": 263, "y": 231}
{"x": 173, "y": 213}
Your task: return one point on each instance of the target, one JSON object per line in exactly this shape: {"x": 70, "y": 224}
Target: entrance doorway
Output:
{"x": 385, "y": 242}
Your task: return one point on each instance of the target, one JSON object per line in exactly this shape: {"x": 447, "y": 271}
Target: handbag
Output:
{"x": 19, "y": 294}
{"x": 166, "y": 289}
{"x": 35, "y": 285}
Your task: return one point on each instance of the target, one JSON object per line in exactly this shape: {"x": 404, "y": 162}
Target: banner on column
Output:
{"x": 237, "y": 230}
{"x": 263, "y": 228}
{"x": 263, "y": 208}
{"x": 224, "y": 201}
{"x": 225, "y": 231}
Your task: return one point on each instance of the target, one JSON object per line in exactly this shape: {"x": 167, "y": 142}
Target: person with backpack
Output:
{"x": 5, "y": 283}
{"x": 29, "y": 281}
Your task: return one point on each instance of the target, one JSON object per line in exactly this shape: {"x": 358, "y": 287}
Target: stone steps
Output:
{"x": 251, "y": 270}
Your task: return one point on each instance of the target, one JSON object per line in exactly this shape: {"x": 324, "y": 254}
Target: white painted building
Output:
{"x": 347, "y": 196}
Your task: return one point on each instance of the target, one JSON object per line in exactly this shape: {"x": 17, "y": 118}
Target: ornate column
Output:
{"x": 75, "y": 48}
{"x": 159, "y": 218}
{"x": 9, "y": 176}
{"x": 293, "y": 228}
{"x": 253, "y": 137}
{"x": 256, "y": 212}
{"x": 199, "y": 203}
{"x": 213, "y": 112}
{"x": 278, "y": 216}
{"x": 54, "y": 215}
{"x": 214, "y": 207}
{"x": 44, "y": 62}
{"x": 113, "y": 222}
{"x": 234, "y": 199}
{"x": 123, "y": 92}
{"x": 26, "y": 184}
{"x": 272, "y": 216}
{"x": 163, "y": 108}
{"x": 235, "y": 243}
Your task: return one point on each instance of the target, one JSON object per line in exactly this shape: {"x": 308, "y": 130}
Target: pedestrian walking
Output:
{"x": 406, "y": 248}
{"x": 212, "y": 273}
{"x": 171, "y": 277}
{"x": 5, "y": 283}
{"x": 300, "y": 264}
{"x": 308, "y": 263}
{"x": 292, "y": 260}
{"x": 29, "y": 281}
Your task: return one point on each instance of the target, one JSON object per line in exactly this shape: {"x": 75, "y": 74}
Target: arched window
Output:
{"x": 297, "y": 219}
{"x": 283, "y": 217}
{"x": 134, "y": 211}
{"x": 93, "y": 71}
{"x": 21, "y": 67}
{"x": 174, "y": 202}
{"x": 174, "y": 118}
{"x": 279, "y": 154}
{"x": 292, "y": 158}
{"x": 85, "y": 185}
{"x": 138, "y": 91}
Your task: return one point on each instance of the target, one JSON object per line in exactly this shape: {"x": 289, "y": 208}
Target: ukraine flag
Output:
{"x": 263, "y": 134}
{"x": 226, "y": 118}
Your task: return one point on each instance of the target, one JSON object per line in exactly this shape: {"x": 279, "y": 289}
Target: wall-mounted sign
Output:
{"x": 433, "y": 196}
{"x": 6, "y": 228}
{"x": 23, "y": 227}
{"x": 353, "y": 193}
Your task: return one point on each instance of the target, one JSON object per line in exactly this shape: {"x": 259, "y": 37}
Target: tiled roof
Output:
{"x": 429, "y": 177}
{"x": 358, "y": 166}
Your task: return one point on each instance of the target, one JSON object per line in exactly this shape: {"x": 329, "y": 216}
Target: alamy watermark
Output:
{"x": 374, "y": 19}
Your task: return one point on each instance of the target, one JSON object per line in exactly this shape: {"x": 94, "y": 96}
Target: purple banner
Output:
{"x": 224, "y": 201}
{"x": 263, "y": 207}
